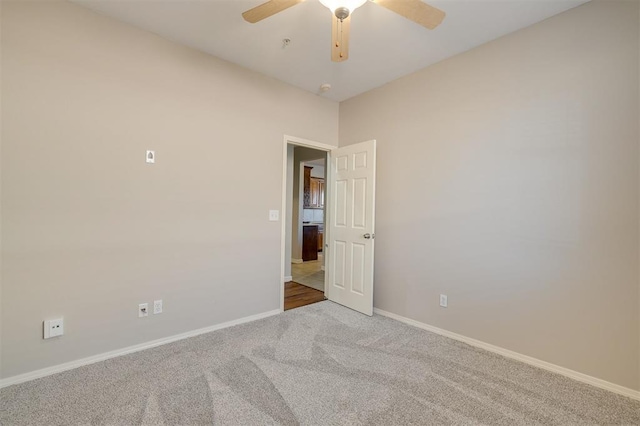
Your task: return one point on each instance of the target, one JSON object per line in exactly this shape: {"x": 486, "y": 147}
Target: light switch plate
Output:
{"x": 274, "y": 215}
{"x": 444, "y": 300}
{"x": 143, "y": 310}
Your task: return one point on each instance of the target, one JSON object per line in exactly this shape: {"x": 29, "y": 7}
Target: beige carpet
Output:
{"x": 321, "y": 364}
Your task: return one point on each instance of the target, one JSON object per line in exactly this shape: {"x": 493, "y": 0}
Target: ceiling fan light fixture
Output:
{"x": 350, "y": 5}
{"x": 414, "y": 10}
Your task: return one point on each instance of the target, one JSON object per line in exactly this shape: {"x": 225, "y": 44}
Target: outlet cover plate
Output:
{"x": 53, "y": 328}
{"x": 157, "y": 306}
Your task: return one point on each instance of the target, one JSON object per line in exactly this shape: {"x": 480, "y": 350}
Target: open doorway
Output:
{"x": 308, "y": 269}
{"x": 302, "y": 203}
{"x": 305, "y": 283}
{"x": 348, "y": 227}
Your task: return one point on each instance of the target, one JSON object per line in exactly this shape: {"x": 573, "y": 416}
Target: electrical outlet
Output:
{"x": 157, "y": 307}
{"x": 143, "y": 310}
{"x": 274, "y": 215}
{"x": 53, "y": 328}
{"x": 151, "y": 157}
{"x": 443, "y": 300}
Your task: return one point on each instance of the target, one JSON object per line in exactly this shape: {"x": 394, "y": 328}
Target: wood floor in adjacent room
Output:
{"x": 296, "y": 295}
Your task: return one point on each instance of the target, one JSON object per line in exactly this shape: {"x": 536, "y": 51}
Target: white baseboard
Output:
{"x": 297, "y": 261}
{"x": 128, "y": 350}
{"x": 603, "y": 384}
{"x": 287, "y": 279}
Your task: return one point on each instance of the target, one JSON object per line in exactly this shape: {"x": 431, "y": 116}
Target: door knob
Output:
{"x": 367, "y": 236}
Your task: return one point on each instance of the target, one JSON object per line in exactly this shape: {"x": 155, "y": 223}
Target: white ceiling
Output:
{"x": 383, "y": 47}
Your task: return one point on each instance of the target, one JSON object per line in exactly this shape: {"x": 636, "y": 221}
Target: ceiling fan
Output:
{"x": 414, "y": 10}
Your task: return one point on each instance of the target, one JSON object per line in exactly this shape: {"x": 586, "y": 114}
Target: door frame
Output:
{"x": 293, "y": 140}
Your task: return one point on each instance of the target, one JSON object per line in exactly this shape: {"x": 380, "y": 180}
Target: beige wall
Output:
{"x": 508, "y": 180}
{"x": 289, "y": 214}
{"x": 90, "y": 230}
{"x": 0, "y": 192}
{"x": 317, "y": 171}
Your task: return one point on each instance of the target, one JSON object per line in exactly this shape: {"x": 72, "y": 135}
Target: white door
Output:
{"x": 352, "y": 226}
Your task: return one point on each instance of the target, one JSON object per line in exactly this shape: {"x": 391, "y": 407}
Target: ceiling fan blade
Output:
{"x": 414, "y": 10}
{"x": 267, "y": 9}
{"x": 340, "y": 39}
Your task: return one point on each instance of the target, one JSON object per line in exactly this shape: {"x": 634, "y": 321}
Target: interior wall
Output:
{"x": 317, "y": 171}
{"x": 90, "y": 230}
{"x": 507, "y": 179}
{"x": 0, "y": 197}
{"x": 289, "y": 213}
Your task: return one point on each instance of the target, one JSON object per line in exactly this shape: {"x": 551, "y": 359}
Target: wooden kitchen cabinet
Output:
{"x": 315, "y": 192}
{"x": 307, "y": 187}
{"x": 321, "y": 193}
{"x": 316, "y": 189}
{"x": 310, "y": 242}
{"x": 320, "y": 240}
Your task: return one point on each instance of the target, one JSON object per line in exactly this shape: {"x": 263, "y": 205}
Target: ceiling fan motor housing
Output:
{"x": 342, "y": 13}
